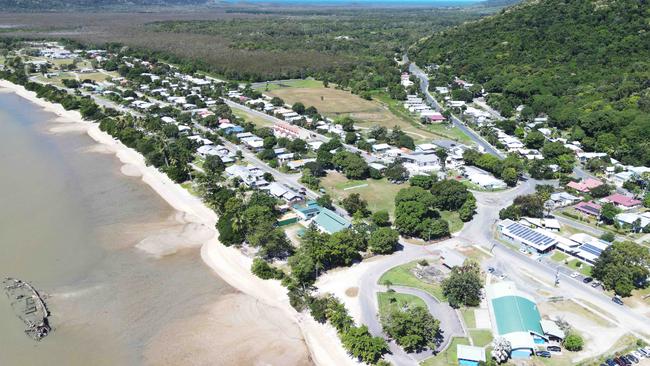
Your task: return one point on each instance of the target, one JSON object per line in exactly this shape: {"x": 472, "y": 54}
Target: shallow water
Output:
{"x": 69, "y": 224}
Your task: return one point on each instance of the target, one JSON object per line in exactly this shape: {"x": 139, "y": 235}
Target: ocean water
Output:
{"x": 70, "y": 223}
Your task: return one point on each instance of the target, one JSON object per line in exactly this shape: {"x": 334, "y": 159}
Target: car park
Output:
{"x": 644, "y": 352}
{"x": 637, "y": 354}
{"x": 587, "y": 279}
{"x": 610, "y": 362}
{"x": 545, "y": 354}
{"x": 554, "y": 349}
{"x": 620, "y": 362}
{"x": 574, "y": 274}
{"x": 626, "y": 361}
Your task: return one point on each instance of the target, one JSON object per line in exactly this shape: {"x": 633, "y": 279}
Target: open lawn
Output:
{"x": 481, "y": 337}
{"x": 402, "y": 276}
{"x": 559, "y": 256}
{"x": 455, "y": 223}
{"x": 575, "y": 308}
{"x": 381, "y": 111}
{"x": 380, "y": 194}
{"x": 306, "y": 83}
{"x": 579, "y": 266}
{"x": 447, "y": 357}
{"x": 256, "y": 120}
{"x": 387, "y": 300}
{"x": 469, "y": 317}
{"x": 96, "y": 76}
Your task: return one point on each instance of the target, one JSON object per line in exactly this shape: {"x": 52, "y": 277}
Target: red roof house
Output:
{"x": 622, "y": 200}
{"x": 586, "y": 185}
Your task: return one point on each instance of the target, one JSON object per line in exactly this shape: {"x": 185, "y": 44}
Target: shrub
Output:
{"x": 265, "y": 271}
{"x": 573, "y": 342}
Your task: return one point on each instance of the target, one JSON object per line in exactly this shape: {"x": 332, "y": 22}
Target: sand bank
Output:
{"x": 229, "y": 263}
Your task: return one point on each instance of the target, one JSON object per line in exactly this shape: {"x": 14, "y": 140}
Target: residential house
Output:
{"x": 621, "y": 201}
{"x": 561, "y": 199}
{"x": 330, "y": 222}
{"x": 586, "y": 185}
{"x": 589, "y": 208}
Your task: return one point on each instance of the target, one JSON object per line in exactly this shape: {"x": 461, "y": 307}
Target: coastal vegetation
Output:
{"x": 584, "y": 64}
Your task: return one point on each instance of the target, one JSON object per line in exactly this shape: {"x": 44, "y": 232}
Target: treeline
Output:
{"x": 583, "y": 63}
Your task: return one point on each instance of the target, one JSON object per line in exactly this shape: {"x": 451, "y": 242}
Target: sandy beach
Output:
{"x": 228, "y": 263}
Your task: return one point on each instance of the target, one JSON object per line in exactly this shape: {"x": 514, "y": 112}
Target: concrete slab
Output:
{"x": 482, "y": 319}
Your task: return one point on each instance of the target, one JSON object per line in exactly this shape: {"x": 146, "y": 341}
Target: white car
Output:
{"x": 574, "y": 274}
{"x": 637, "y": 354}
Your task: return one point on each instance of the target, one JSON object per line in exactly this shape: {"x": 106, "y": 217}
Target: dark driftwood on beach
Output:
{"x": 29, "y": 306}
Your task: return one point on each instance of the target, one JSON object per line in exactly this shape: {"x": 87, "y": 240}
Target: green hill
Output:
{"x": 585, "y": 63}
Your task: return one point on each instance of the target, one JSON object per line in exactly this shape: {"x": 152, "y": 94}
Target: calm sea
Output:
{"x": 68, "y": 223}
{"x": 392, "y": 3}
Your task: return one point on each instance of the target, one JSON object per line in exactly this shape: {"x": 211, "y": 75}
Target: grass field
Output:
{"x": 256, "y": 120}
{"x": 306, "y": 83}
{"x": 95, "y": 76}
{"x": 387, "y": 300}
{"x": 402, "y": 276}
{"x": 381, "y": 111}
{"x": 380, "y": 194}
{"x": 447, "y": 357}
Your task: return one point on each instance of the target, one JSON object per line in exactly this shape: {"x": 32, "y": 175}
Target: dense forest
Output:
{"x": 584, "y": 63}
{"x": 352, "y": 48}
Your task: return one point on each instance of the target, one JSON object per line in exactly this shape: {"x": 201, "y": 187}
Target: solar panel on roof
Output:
{"x": 591, "y": 249}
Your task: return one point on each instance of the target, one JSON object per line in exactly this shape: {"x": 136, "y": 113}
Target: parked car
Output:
{"x": 545, "y": 354}
{"x": 617, "y": 300}
{"x": 632, "y": 358}
{"x": 626, "y": 361}
{"x": 595, "y": 284}
{"x": 574, "y": 274}
{"x": 587, "y": 279}
{"x": 491, "y": 269}
{"x": 638, "y": 354}
{"x": 610, "y": 362}
{"x": 644, "y": 352}
{"x": 619, "y": 361}
{"x": 554, "y": 348}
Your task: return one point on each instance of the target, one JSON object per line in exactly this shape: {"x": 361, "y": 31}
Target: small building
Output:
{"x": 589, "y": 208}
{"x": 545, "y": 223}
{"x": 632, "y": 220}
{"x": 621, "y": 201}
{"x": 451, "y": 258}
{"x": 561, "y": 199}
{"x": 588, "y": 248}
{"x": 586, "y": 185}
{"x": 330, "y": 222}
{"x": 308, "y": 210}
{"x": 526, "y": 237}
{"x": 470, "y": 355}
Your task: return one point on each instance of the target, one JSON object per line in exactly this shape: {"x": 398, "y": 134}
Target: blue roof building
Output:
{"x": 308, "y": 210}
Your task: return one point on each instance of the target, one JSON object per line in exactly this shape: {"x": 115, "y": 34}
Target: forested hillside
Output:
{"x": 585, "y": 63}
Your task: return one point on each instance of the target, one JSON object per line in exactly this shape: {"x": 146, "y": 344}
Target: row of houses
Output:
{"x": 415, "y": 104}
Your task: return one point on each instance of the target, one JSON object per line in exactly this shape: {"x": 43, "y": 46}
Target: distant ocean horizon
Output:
{"x": 436, "y": 3}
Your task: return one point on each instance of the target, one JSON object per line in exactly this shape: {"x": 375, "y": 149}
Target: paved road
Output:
{"x": 450, "y": 324}
{"x": 424, "y": 87}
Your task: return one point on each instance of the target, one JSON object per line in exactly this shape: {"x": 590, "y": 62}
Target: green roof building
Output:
{"x": 515, "y": 317}
{"x": 330, "y": 222}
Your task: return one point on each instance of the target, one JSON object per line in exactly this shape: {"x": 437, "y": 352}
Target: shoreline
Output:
{"x": 228, "y": 263}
